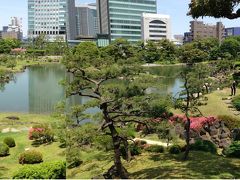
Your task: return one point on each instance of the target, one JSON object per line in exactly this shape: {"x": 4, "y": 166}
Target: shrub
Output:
{"x": 4, "y": 149}
{"x": 47, "y": 170}
{"x": 203, "y": 145}
{"x": 30, "y": 157}
{"x": 230, "y": 121}
{"x": 41, "y": 133}
{"x": 9, "y": 141}
{"x": 155, "y": 149}
{"x": 174, "y": 149}
{"x": 73, "y": 158}
{"x": 236, "y": 102}
{"x": 134, "y": 150}
{"x": 233, "y": 150}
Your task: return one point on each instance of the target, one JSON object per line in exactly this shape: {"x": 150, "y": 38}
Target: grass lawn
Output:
{"x": 201, "y": 165}
{"x": 215, "y": 105}
{"x": 26, "y": 120}
{"x": 9, "y": 165}
{"x": 22, "y": 63}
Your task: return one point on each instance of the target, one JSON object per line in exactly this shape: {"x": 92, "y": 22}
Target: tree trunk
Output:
{"x": 128, "y": 152}
{"x": 117, "y": 154}
{"x": 187, "y": 129}
{"x": 121, "y": 172}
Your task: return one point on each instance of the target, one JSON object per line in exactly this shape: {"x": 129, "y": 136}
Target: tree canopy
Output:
{"x": 215, "y": 8}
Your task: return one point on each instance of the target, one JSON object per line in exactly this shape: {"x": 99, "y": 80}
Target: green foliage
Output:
{"x": 167, "y": 50}
{"x": 158, "y": 107}
{"x": 230, "y": 121}
{"x": 216, "y": 8}
{"x": 233, "y": 150}
{"x": 230, "y": 46}
{"x": 11, "y": 63}
{"x": 30, "y": 157}
{"x": 119, "y": 49}
{"x": 41, "y": 133}
{"x": 73, "y": 157}
{"x": 9, "y": 141}
{"x": 150, "y": 53}
{"x": 47, "y": 170}
{"x": 7, "y": 44}
{"x": 133, "y": 148}
{"x": 155, "y": 149}
{"x": 236, "y": 102}
{"x": 58, "y": 47}
{"x": 190, "y": 54}
{"x": 103, "y": 142}
{"x": 4, "y": 149}
{"x": 203, "y": 145}
{"x": 36, "y": 52}
{"x": 174, "y": 149}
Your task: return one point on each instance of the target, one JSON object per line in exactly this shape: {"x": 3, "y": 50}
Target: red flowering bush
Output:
{"x": 41, "y": 133}
{"x": 196, "y": 122}
{"x": 35, "y": 133}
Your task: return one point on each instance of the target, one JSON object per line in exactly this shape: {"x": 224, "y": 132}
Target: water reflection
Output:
{"x": 37, "y": 90}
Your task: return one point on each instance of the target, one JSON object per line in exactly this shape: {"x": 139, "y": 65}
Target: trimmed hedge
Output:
{"x": 9, "y": 141}
{"x": 233, "y": 150}
{"x": 47, "y": 170}
{"x": 174, "y": 149}
{"x": 236, "y": 102}
{"x": 30, "y": 157}
{"x": 4, "y": 149}
{"x": 206, "y": 146}
{"x": 155, "y": 149}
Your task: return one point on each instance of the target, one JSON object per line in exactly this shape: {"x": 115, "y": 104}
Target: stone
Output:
{"x": 216, "y": 124}
{"x": 224, "y": 135}
{"x": 226, "y": 130}
{"x": 214, "y": 132}
{"x": 205, "y": 137}
{"x": 224, "y": 143}
{"x": 13, "y": 118}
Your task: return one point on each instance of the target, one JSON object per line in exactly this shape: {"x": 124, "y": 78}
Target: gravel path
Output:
{"x": 151, "y": 142}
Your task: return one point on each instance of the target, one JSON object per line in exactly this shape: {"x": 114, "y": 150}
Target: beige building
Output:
{"x": 12, "y": 35}
{"x": 200, "y": 30}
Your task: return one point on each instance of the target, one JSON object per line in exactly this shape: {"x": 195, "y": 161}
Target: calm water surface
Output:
{"x": 37, "y": 90}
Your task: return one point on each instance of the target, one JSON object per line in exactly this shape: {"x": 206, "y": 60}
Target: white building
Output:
{"x": 156, "y": 27}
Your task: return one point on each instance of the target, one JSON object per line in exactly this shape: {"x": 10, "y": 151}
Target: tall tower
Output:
{"x": 54, "y": 18}
{"x": 87, "y": 22}
{"x": 122, "y": 19}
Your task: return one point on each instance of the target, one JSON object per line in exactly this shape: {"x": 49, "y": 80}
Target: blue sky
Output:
{"x": 177, "y": 9}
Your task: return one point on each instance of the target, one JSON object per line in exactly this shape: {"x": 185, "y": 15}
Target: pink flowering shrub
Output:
{"x": 196, "y": 122}
{"x": 35, "y": 133}
{"x": 41, "y": 133}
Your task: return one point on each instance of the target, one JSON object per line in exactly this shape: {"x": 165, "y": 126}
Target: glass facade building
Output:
{"x": 122, "y": 18}
{"x": 87, "y": 23}
{"x": 54, "y": 18}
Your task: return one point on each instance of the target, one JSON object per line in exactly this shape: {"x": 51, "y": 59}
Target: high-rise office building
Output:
{"x": 54, "y": 18}
{"x": 87, "y": 22}
{"x": 156, "y": 27}
{"x": 122, "y": 18}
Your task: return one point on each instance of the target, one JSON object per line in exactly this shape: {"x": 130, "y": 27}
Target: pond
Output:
{"x": 37, "y": 90}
